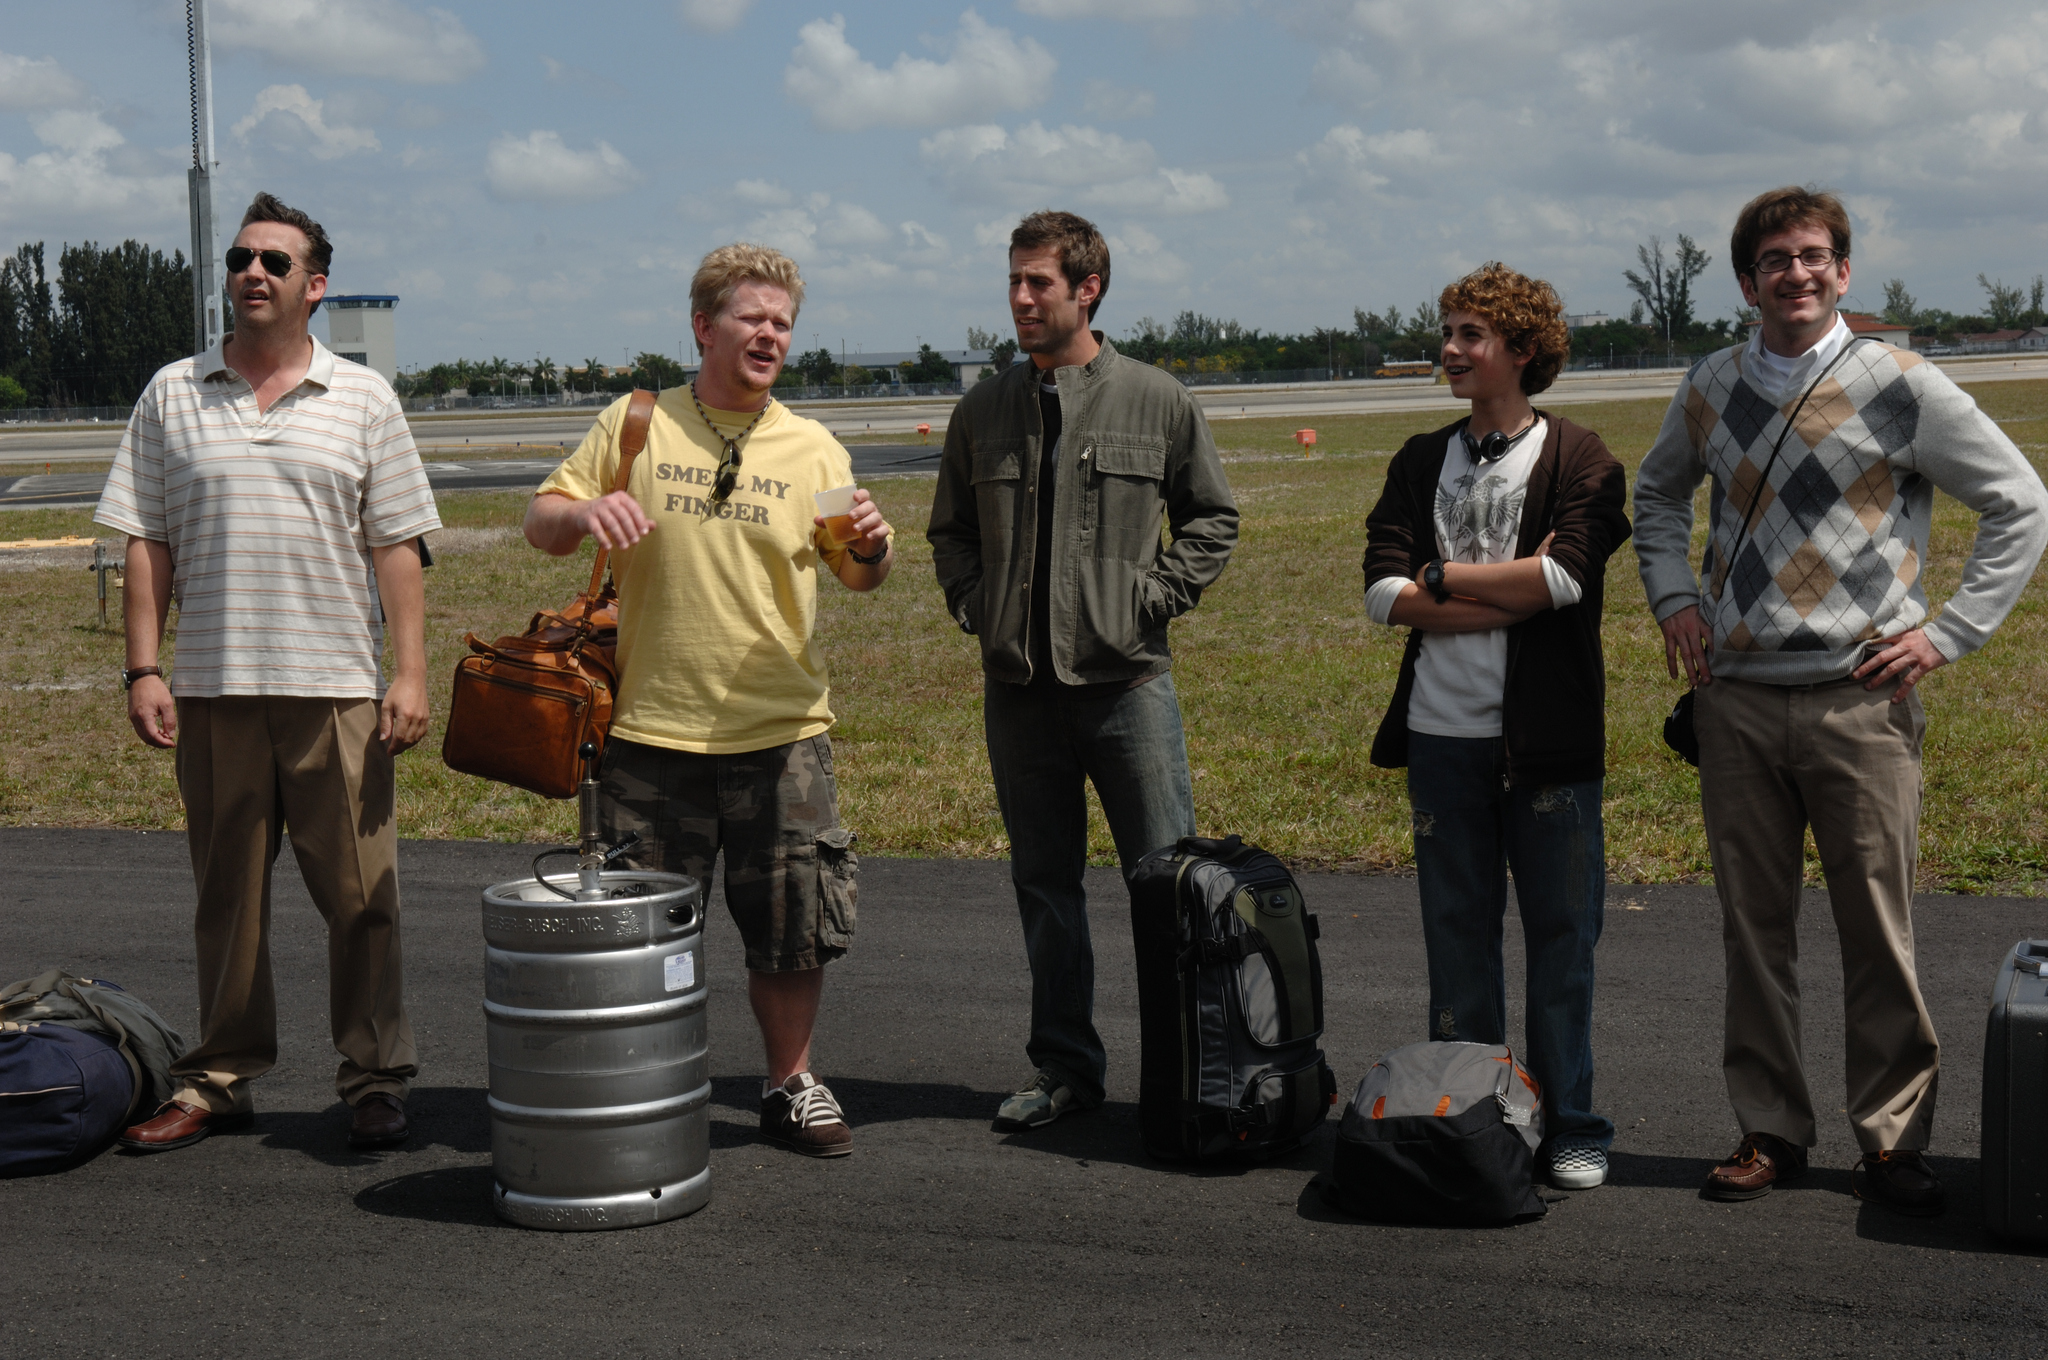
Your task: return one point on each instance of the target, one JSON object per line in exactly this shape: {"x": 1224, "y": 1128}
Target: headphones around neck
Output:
{"x": 1495, "y": 446}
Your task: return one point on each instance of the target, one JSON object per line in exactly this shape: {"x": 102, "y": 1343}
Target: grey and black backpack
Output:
{"x": 1441, "y": 1133}
{"x": 1230, "y": 1002}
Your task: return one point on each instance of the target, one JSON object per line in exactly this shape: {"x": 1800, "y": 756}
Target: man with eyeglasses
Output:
{"x": 1805, "y": 635}
{"x": 274, "y": 489}
{"x": 718, "y": 740}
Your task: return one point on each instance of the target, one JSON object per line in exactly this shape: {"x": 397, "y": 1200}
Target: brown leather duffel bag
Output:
{"x": 524, "y": 705}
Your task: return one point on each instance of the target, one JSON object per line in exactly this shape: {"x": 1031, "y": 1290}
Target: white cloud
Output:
{"x": 83, "y": 177}
{"x": 380, "y": 38}
{"x": 713, "y": 16}
{"x": 986, "y": 70}
{"x": 541, "y": 168}
{"x": 1136, "y": 256}
{"x": 762, "y": 193}
{"x": 1130, "y": 11}
{"x": 286, "y": 118}
{"x": 1106, "y": 99}
{"x": 1083, "y": 166}
{"x": 37, "y": 84}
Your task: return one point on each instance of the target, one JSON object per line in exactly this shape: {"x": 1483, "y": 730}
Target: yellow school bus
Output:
{"x": 1405, "y": 368}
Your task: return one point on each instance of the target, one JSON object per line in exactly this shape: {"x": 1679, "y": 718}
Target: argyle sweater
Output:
{"x": 1833, "y": 554}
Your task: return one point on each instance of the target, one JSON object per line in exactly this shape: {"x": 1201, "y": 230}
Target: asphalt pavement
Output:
{"x": 938, "y": 1237}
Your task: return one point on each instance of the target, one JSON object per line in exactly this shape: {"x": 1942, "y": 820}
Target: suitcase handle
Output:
{"x": 1231, "y": 847}
{"x": 2032, "y": 957}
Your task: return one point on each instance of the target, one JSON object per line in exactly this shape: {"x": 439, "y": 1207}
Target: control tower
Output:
{"x": 359, "y": 327}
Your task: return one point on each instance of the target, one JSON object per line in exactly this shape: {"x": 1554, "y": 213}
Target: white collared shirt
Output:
{"x": 1778, "y": 379}
{"x": 270, "y": 517}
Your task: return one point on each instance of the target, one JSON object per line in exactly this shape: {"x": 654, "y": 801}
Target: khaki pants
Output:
{"x": 1774, "y": 759}
{"x": 249, "y": 768}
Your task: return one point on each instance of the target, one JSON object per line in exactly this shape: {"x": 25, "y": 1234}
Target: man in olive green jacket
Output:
{"x": 1045, "y": 531}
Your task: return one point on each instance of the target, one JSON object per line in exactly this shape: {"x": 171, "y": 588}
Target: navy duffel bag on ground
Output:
{"x": 64, "y": 1095}
{"x": 78, "y": 1058}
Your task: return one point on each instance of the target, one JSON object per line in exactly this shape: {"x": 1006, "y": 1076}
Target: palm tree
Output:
{"x": 544, "y": 372}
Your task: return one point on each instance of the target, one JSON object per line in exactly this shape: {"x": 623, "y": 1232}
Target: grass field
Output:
{"x": 1282, "y": 680}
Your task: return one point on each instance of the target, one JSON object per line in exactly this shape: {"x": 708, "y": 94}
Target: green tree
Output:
{"x": 1901, "y": 308}
{"x": 817, "y": 367}
{"x": 929, "y": 367}
{"x": 546, "y": 375}
{"x": 12, "y": 394}
{"x": 658, "y": 371}
{"x": 1666, "y": 288}
{"x": 2006, "y": 307}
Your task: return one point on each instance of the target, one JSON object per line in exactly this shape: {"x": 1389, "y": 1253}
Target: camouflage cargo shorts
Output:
{"x": 789, "y": 866}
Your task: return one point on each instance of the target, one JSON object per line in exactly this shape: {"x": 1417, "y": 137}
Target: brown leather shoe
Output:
{"x": 1900, "y": 1181}
{"x": 177, "y": 1124}
{"x": 378, "y": 1121}
{"x": 1759, "y": 1161}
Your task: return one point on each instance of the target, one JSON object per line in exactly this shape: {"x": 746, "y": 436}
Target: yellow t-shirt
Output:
{"x": 715, "y": 612}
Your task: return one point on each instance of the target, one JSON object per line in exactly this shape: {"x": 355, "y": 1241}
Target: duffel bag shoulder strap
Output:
{"x": 632, "y": 439}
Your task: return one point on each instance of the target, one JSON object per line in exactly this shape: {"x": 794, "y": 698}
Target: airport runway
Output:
{"x": 440, "y": 434}
{"x": 937, "y": 1237}
{"x": 64, "y": 490}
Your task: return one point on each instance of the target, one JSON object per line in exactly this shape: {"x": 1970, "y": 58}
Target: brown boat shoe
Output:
{"x": 178, "y": 1124}
{"x": 1759, "y": 1162}
{"x": 1901, "y": 1181}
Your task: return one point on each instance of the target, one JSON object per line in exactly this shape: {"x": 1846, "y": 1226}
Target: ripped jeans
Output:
{"x": 1468, "y": 833}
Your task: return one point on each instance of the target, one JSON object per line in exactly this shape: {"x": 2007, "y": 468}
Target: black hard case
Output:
{"x": 1230, "y": 1014}
{"x": 2015, "y": 1136}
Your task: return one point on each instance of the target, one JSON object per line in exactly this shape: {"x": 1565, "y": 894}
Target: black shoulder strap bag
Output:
{"x": 1679, "y": 733}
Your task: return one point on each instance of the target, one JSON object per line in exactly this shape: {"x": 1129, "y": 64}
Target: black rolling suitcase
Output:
{"x": 1230, "y": 1003}
{"x": 2015, "y": 1136}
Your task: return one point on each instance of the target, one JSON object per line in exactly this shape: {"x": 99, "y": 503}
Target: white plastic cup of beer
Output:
{"x": 836, "y": 507}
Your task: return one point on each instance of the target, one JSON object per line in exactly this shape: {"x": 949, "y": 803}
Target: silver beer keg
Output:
{"x": 600, "y": 1089}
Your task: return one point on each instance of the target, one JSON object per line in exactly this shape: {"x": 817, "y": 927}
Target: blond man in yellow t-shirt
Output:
{"x": 718, "y": 742}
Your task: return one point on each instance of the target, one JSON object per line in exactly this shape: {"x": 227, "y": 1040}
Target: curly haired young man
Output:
{"x": 1490, "y": 543}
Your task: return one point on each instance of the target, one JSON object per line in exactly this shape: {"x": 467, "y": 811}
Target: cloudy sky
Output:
{"x": 541, "y": 179}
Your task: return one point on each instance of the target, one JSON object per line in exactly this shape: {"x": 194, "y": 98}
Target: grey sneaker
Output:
{"x": 1578, "y": 1168}
{"x": 803, "y": 1116}
{"x": 1044, "y": 1100}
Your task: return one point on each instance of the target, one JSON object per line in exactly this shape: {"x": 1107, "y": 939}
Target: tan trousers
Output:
{"x": 250, "y": 768}
{"x": 1846, "y": 761}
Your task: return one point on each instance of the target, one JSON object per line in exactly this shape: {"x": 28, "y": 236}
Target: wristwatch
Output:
{"x": 1433, "y": 579}
{"x": 874, "y": 561}
{"x": 128, "y": 677}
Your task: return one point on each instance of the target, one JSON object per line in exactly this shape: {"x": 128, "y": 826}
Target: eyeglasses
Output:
{"x": 276, "y": 263}
{"x": 1815, "y": 258}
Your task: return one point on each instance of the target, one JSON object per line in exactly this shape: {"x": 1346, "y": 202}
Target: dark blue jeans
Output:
{"x": 1468, "y": 833}
{"x": 1042, "y": 746}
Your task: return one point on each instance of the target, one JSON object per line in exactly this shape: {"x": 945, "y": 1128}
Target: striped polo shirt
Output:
{"x": 270, "y": 517}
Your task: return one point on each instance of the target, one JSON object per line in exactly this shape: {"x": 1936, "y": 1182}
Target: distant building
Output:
{"x": 1580, "y": 320}
{"x": 1862, "y": 325}
{"x": 359, "y": 327}
{"x": 967, "y": 363}
{"x": 2034, "y": 337}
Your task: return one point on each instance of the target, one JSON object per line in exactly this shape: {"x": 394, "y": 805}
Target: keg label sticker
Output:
{"x": 679, "y": 971}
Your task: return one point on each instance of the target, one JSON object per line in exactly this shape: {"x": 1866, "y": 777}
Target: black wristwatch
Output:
{"x": 874, "y": 561}
{"x": 1433, "y": 579}
{"x": 128, "y": 677}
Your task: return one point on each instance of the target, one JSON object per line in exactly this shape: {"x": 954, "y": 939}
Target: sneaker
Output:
{"x": 802, "y": 1116}
{"x": 1047, "y": 1098}
{"x": 1759, "y": 1161}
{"x": 1900, "y": 1181}
{"x": 1578, "y": 1167}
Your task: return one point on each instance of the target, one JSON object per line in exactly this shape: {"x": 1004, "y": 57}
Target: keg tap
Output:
{"x": 593, "y": 856}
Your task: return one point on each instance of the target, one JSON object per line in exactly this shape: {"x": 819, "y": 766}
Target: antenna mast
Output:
{"x": 206, "y": 272}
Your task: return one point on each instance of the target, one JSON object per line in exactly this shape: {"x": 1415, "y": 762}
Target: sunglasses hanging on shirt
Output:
{"x": 1495, "y": 446}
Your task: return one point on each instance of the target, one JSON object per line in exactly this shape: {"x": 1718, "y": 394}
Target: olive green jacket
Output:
{"x": 1135, "y": 453}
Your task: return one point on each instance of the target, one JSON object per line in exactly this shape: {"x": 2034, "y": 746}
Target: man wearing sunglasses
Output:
{"x": 1805, "y": 635}
{"x": 718, "y": 741}
{"x": 275, "y": 489}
